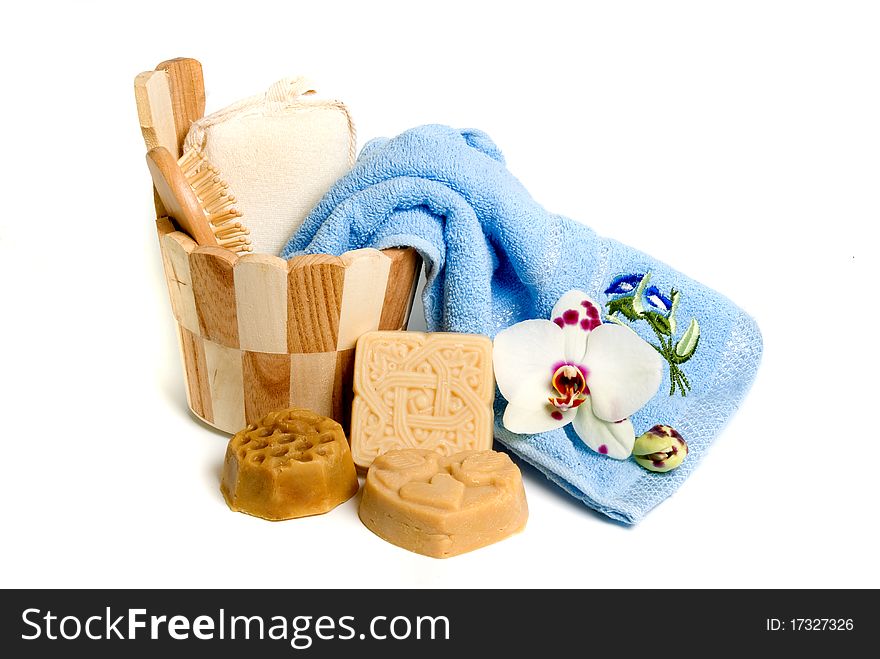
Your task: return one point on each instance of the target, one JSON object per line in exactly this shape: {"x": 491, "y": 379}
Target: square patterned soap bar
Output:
{"x": 421, "y": 390}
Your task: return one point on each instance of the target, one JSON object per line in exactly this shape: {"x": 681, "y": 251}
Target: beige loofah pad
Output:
{"x": 279, "y": 152}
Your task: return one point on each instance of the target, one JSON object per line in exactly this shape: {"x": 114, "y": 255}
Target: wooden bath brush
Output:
{"x": 195, "y": 195}
{"x": 188, "y": 188}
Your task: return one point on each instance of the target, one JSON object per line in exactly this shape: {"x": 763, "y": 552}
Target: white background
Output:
{"x": 739, "y": 142}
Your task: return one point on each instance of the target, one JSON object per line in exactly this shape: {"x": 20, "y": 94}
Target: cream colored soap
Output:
{"x": 442, "y": 506}
{"x": 421, "y": 390}
{"x": 292, "y": 463}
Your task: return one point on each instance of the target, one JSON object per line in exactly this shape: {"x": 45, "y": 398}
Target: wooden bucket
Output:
{"x": 258, "y": 333}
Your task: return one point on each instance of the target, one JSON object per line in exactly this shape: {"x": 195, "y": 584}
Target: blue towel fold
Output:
{"x": 494, "y": 257}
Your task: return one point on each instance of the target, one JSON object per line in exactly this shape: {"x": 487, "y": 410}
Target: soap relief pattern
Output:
{"x": 633, "y": 300}
{"x": 428, "y": 395}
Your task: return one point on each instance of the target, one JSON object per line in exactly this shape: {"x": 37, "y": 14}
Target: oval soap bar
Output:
{"x": 443, "y": 506}
{"x": 293, "y": 463}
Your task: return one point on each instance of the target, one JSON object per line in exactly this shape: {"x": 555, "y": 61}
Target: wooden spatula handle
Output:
{"x": 187, "y": 86}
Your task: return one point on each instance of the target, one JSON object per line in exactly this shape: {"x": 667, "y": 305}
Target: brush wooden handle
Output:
{"x": 187, "y": 86}
{"x": 178, "y": 197}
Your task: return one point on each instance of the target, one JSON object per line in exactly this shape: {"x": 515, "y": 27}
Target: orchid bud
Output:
{"x": 660, "y": 449}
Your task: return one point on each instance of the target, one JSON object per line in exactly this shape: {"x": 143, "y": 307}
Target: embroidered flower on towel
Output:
{"x": 575, "y": 369}
{"x": 632, "y": 299}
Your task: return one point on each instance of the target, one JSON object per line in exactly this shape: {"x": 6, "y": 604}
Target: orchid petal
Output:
{"x": 524, "y": 357}
{"x": 528, "y": 416}
{"x": 624, "y": 371}
{"x": 577, "y": 315}
{"x": 614, "y": 439}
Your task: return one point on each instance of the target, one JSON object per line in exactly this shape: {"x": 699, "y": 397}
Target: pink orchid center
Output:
{"x": 570, "y": 383}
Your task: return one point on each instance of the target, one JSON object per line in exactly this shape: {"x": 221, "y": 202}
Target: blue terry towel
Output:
{"x": 494, "y": 257}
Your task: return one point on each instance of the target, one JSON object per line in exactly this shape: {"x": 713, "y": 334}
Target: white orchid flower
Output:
{"x": 575, "y": 369}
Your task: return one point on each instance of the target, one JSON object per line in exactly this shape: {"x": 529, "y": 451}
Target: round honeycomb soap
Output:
{"x": 292, "y": 463}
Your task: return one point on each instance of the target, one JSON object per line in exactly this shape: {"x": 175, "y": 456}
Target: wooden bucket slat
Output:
{"x": 258, "y": 333}
{"x": 214, "y": 291}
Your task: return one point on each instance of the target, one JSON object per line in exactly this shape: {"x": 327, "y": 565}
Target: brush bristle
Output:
{"x": 217, "y": 202}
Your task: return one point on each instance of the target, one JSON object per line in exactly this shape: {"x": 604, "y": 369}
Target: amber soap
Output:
{"x": 442, "y": 506}
{"x": 292, "y": 463}
{"x": 421, "y": 390}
